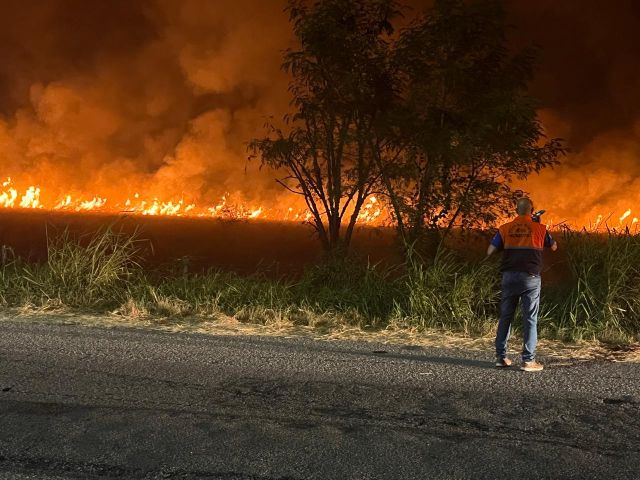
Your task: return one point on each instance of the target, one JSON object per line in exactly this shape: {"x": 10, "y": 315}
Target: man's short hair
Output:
{"x": 524, "y": 206}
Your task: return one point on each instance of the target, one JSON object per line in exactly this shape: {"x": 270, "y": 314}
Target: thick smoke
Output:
{"x": 160, "y": 96}
{"x": 152, "y": 96}
{"x": 587, "y": 80}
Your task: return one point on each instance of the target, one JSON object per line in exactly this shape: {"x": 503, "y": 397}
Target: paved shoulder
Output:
{"x": 97, "y": 403}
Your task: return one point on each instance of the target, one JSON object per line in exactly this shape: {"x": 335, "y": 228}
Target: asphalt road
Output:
{"x": 79, "y": 402}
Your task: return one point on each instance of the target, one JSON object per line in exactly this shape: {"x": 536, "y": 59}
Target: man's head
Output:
{"x": 524, "y": 206}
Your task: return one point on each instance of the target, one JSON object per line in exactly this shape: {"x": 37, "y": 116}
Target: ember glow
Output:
{"x": 601, "y": 223}
{"x": 11, "y": 197}
{"x": 148, "y": 108}
{"x": 373, "y": 212}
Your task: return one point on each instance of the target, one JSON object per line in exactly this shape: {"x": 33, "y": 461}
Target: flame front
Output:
{"x": 373, "y": 212}
{"x": 11, "y": 197}
{"x": 625, "y": 215}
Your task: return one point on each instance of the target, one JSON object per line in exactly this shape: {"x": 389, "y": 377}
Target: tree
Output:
{"x": 341, "y": 85}
{"x": 464, "y": 126}
{"x": 437, "y": 116}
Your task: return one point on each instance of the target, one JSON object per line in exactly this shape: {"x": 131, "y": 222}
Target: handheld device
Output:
{"x": 536, "y": 216}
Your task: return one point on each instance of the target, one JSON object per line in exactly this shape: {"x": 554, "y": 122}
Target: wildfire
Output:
{"x": 373, "y": 212}
{"x": 601, "y": 222}
{"x": 30, "y": 198}
{"x": 625, "y": 215}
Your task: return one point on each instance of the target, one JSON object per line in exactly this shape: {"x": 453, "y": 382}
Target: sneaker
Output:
{"x": 531, "y": 366}
{"x": 502, "y": 362}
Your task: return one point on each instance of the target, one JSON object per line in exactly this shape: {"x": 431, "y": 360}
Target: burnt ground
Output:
{"x": 78, "y": 402}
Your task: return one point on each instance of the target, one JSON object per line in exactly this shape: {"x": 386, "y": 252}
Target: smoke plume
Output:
{"x": 153, "y": 96}
{"x": 160, "y": 96}
{"x": 587, "y": 82}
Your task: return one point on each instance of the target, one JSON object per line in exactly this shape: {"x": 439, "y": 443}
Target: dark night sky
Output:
{"x": 107, "y": 83}
{"x": 589, "y": 68}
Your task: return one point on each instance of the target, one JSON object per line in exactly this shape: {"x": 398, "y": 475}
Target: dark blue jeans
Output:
{"x": 519, "y": 286}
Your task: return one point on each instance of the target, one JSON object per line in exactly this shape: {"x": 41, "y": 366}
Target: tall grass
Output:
{"x": 364, "y": 294}
{"x": 211, "y": 293}
{"x": 604, "y": 297}
{"x": 451, "y": 295}
{"x": 88, "y": 272}
{"x": 103, "y": 273}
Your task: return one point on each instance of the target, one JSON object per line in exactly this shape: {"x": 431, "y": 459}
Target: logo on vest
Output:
{"x": 520, "y": 230}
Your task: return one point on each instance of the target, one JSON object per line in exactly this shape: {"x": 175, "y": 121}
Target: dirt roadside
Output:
{"x": 224, "y": 325}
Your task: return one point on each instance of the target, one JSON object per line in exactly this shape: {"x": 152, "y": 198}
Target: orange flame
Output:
{"x": 11, "y": 198}
{"x": 625, "y": 215}
{"x": 373, "y": 212}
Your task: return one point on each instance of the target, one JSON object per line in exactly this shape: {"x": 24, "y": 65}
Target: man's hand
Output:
{"x": 492, "y": 249}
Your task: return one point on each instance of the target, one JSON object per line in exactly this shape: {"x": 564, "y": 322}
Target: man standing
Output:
{"x": 523, "y": 241}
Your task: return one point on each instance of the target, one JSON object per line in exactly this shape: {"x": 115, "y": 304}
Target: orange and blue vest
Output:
{"x": 523, "y": 242}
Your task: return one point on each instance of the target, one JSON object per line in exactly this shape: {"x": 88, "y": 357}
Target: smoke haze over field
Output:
{"x": 161, "y": 95}
{"x": 149, "y": 95}
{"x": 587, "y": 80}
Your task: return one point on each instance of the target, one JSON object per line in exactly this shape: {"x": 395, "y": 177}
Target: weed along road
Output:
{"x": 87, "y": 402}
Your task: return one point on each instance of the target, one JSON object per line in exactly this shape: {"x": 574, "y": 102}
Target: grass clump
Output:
{"x": 451, "y": 295}
{"x": 603, "y": 299}
{"x": 210, "y": 293}
{"x": 92, "y": 272}
{"x": 364, "y": 294}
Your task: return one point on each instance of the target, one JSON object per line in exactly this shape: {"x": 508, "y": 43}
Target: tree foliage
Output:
{"x": 466, "y": 125}
{"x": 339, "y": 87}
{"x": 436, "y": 116}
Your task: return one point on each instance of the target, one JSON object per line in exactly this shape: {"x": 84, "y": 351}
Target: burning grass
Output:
{"x": 103, "y": 274}
{"x": 29, "y": 198}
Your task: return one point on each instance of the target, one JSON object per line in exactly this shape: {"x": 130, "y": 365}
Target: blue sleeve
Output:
{"x": 497, "y": 241}
{"x": 548, "y": 240}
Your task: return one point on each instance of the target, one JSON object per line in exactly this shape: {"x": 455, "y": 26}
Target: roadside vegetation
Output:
{"x": 106, "y": 274}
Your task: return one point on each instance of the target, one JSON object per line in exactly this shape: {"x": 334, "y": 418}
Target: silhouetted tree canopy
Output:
{"x": 465, "y": 122}
{"x": 436, "y": 117}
